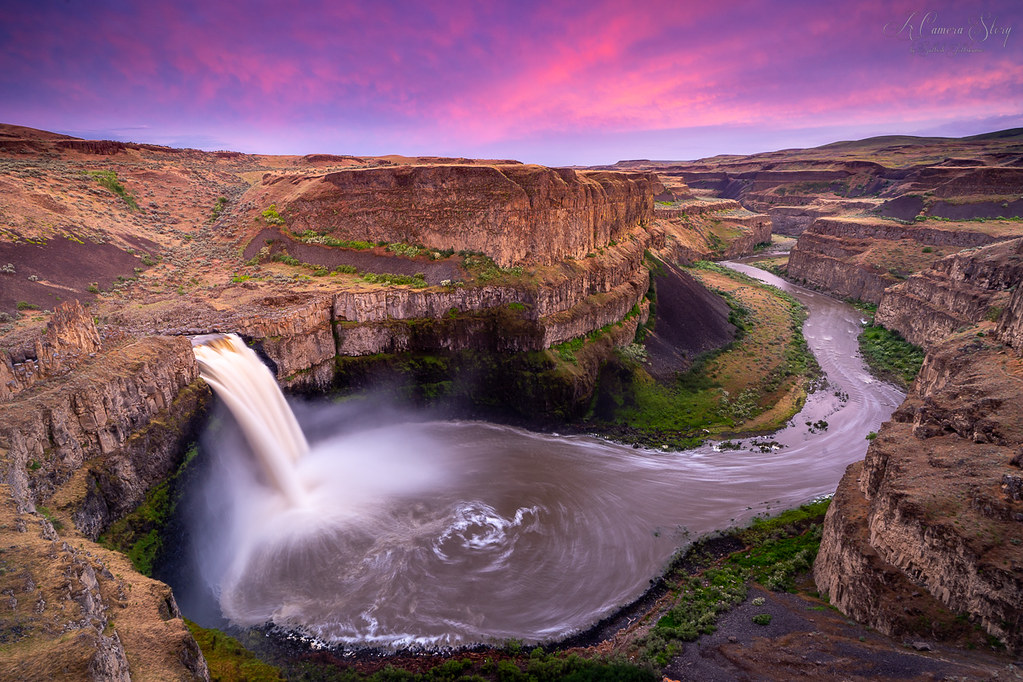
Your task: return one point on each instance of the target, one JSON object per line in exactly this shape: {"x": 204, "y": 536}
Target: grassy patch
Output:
{"x": 313, "y": 237}
{"x": 109, "y": 180}
{"x": 890, "y": 356}
{"x": 738, "y": 386}
{"x": 484, "y": 270}
{"x": 703, "y": 587}
{"x": 416, "y": 281}
{"x": 218, "y": 209}
{"x": 511, "y": 665}
{"x": 781, "y": 547}
{"x": 272, "y": 216}
{"x": 406, "y": 250}
{"x": 228, "y": 660}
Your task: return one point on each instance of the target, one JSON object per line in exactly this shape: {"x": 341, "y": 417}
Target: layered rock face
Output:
{"x": 88, "y": 445}
{"x": 956, "y": 291}
{"x": 114, "y": 426}
{"x": 860, "y": 258}
{"x": 933, "y": 517}
{"x": 70, "y": 337}
{"x": 516, "y": 214}
{"x": 1010, "y": 324}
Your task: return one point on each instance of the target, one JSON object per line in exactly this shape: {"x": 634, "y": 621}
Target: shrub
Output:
{"x": 272, "y": 217}
{"x": 417, "y": 281}
{"x": 218, "y": 209}
{"x": 285, "y": 258}
{"x": 25, "y": 305}
{"x": 407, "y": 250}
{"x": 762, "y": 619}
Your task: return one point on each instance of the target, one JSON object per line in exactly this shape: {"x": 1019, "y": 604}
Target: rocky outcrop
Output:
{"x": 793, "y": 215}
{"x": 1010, "y": 324}
{"x": 73, "y": 610}
{"x": 932, "y": 512}
{"x": 70, "y": 336}
{"x": 114, "y": 426}
{"x": 814, "y": 267}
{"x": 860, "y": 258}
{"x": 516, "y": 214}
{"x": 956, "y": 291}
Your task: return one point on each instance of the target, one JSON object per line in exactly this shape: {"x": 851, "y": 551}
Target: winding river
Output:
{"x": 448, "y": 533}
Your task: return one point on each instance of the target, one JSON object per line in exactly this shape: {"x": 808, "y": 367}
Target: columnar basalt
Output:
{"x": 70, "y": 337}
{"x": 516, "y": 214}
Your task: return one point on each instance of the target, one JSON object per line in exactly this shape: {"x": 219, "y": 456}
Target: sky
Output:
{"x": 551, "y": 82}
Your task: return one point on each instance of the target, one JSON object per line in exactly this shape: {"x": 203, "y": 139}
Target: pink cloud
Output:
{"x": 466, "y": 75}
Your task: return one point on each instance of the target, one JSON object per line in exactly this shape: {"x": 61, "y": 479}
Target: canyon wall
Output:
{"x": 932, "y": 519}
{"x": 860, "y": 258}
{"x": 85, "y": 446}
{"x": 516, "y": 214}
{"x": 70, "y": 337}
{"x": 959, "y": 290}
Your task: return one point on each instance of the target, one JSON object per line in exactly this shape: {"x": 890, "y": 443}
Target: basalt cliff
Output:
{"x": 931, "y": 521}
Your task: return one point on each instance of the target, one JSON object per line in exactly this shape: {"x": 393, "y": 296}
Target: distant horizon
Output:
{"x": 84, "y": 135}
{"x": 557, "y": 83}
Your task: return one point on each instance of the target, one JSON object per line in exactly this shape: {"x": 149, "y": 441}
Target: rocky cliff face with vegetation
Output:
{"x": 956, "y": 291}
{"x": 923, "y": 539}
{"x": 930, "y": 525}
{"x": 88, "y": 427}
{"x": 516, "y": 214}
{"x": 860, "y": 258}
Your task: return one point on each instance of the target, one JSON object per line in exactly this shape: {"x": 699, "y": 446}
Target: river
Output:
{"x": 448, "y": 533}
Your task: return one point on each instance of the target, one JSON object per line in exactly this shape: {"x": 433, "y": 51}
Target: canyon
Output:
{"x": 101, "y": 394}
{"x": 927, "y": 528}
{"x": 461, "y": 280}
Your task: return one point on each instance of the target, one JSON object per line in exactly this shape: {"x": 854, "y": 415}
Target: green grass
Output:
{"x": 890, "y": 356}
{"x": 218, "y": 209}
{"x": 777, "y": 550}
{"x": 484, "y": 270}
{"x": 272, "y": 216}
{"x": 417, "y": 281}
{"x": 57, "y": 524}
{"x": 406, "y": 250}
{"x": 718, "y": 392}
{"x": 109, "y": 180}
{"x": 314, "y": 237}
{"x": 228, "y": 660}
{"x": 286, "y": 258}
{"x": 511, "y": 665}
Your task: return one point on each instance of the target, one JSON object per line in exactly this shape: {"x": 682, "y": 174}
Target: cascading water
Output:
{"x": 251, "y": 392}
{"x": 390, "y": 532}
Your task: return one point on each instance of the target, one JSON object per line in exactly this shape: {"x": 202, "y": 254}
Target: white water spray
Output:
{"x": 251, "y": 392}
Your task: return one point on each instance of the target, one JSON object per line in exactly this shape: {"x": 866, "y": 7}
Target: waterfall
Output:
{"x": 252, "y": 395}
